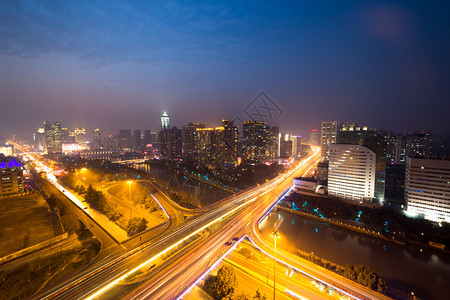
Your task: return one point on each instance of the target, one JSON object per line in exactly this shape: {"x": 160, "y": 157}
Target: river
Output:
{"x": 204, "y": 194}
{"x": 425, "y": 272}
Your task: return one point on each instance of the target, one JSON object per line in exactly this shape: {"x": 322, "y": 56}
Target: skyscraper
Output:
{"x": 229, "y": 142}
{"x": 273, "y": 143}
{"x": 329, "y": 134}
{"x": 254, "y": 140}
{"x": 296, "y": 146}
{"x": 137, "y": 143}
{"x": 285, "y": 145}
{"x": 53, "y": 136}
{"x": 97, "y": 139}
{"x": 164, "y": 121}
{"x": 314, "y": 137}
{"x": 40, "y": 142}
{"x": 170, "y": 143}
{"x": 190, "y": 137}
{"x": 124, "y": 138}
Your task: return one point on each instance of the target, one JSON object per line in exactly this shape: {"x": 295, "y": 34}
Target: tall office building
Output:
{"x": 351, "y": 172}
{"x": 147, "y": 138}
{"x": 427, "y": 188}
{"x": 273, "y": 143}
{"x": 286, "y": 145}
{"x": 190, "y": 137}
{"x": 254, "y": 140}
{"x": 11, "y": 176}
{"x": 64, "y": 135}
{"x": 124, "y": 138}
{"x": 229, "y": 142}
{"x": 40, "y": 142}
{"x": 329, "y": 135}
{"x": 314, "y": 138}
{"x": 53, "y": 136}
{"x": 296, "y": 146}
{"x": 164, "y": 121}
{"x": 80, "y": 136}
{"x": 97, "y": 139}
{"x": 137, "y": 142}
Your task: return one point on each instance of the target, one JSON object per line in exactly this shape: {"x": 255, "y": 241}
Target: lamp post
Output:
{"x": 275, "y": 235}
{"x": 129, "y": 190}
{"x": 84, "y": 177}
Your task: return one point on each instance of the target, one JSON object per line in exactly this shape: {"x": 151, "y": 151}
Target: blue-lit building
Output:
{"x": 11, "y": 176}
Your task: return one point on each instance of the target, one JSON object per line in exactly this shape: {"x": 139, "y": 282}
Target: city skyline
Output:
{"x": 382, "y": 63}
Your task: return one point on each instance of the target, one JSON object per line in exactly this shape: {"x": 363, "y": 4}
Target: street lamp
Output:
{"x": 275, "y": 235}
{"x": 84, "y": 172}
{"x": 129, "y": 190}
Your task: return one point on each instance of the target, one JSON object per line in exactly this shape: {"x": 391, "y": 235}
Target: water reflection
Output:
{"x": 202, "y": 193}
{"x": 425, "y": 272}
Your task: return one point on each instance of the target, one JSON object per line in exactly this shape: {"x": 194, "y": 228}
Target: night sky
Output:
{"x": 112, "y": 64}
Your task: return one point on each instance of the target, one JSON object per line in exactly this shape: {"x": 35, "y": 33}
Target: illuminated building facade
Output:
{"x": 229, "y": 143}
{"x": 254, "y": 140}
{"x": 97, "y": 139}
{"x": 164, "y": 121}
{"x": 427, "y": 188}
{"x": 190, "y": 140}
{"x": 353, "y": 134}
{"x": 314, "y": 138}
{"x": 273, "y": 143}
{"x": 53, "y": 136}
{"x": 285, "y": 145}
{"x": 351, "y": 172}
{"x": 11, "y": 176}
{"x": 296, "y": 146}
{"x": 170, "y": 143}
{"x": 80, "y": 136}
{"x": 40, "y": 143}
{"x": 328, "y": 136}
{"x": 137, "y": 142}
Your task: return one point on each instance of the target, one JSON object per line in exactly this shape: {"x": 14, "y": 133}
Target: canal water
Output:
{"x": 425, "y": 272}
{"x": 202, "y": 193}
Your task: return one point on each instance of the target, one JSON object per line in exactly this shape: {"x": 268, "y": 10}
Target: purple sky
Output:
{"x": 113, "y": 65}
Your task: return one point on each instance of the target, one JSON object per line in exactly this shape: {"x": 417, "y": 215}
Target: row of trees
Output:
{"x": 384, "y": 220}
{"x": 359, "y": 273}
{"x": 97, "y": 200}
{"x": 223, "y": 286}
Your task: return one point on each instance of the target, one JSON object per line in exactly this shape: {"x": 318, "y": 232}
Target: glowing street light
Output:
{"x": 275, "y": 235}
{"x": 129, "y": 190}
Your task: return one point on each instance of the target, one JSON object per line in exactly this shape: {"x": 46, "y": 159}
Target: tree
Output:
{"x": 258, "y": 296}
{"x": 136, "y": 225}
{"x": 223, "y": 285}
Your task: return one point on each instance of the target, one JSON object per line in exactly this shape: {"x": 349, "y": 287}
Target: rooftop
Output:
{"x": 9, "y": 162}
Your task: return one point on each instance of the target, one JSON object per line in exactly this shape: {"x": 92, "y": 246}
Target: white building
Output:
{"x": 329, "y": 131}
{"x": 427, "y": 188}
{"x": 351, "y": 172}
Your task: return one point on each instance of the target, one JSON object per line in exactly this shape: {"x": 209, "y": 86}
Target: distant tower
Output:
{"x": 164, "y": 121}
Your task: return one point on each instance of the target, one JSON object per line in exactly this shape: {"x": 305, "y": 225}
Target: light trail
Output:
{"x": 303, "y": 272}
{"x": 213, "y": 266}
